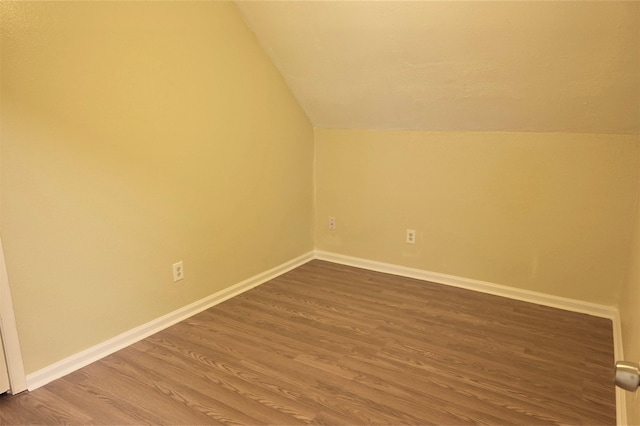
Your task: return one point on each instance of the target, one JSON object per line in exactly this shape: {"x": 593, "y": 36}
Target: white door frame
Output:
{"x": 9, "y": 332}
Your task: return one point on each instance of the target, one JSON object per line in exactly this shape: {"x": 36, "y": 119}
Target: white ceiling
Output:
{"x": 458, "y": 66}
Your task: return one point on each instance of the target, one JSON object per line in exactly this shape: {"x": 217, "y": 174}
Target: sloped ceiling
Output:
{"x": 458, "y": 66}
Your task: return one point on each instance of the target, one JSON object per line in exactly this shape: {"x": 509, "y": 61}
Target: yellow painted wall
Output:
{"x": 630, "y": 313}
{"x": 135, "y": 135}
{"x": 544, "y": 212}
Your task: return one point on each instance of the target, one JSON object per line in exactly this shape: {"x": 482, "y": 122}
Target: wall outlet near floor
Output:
{"x": 178, "y": 271}
{"x": 411, "y": 236}
{"x": 332, "y": 223}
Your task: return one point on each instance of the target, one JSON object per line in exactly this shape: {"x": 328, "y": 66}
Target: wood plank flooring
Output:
{"x": 331, "y": 344}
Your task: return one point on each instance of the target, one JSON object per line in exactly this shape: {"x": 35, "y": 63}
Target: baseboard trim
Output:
{"x": 86, "y": 357}
{"x": 567, "y": 304}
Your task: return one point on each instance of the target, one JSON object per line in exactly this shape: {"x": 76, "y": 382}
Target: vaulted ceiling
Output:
{"x": 458, "y": 66}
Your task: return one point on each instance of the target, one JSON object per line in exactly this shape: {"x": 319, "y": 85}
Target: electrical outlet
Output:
{"x": 178, "y": 271}
{"x": 411, "y": 236}
{"x": 332, "y": 223}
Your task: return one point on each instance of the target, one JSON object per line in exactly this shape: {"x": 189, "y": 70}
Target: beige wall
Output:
{"x": 135, "y": 135}
{"x": 543, "y": 212}
{"x": 630, "y": 313}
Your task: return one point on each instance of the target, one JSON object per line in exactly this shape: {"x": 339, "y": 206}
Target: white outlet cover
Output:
{"x": 178, "y": 271}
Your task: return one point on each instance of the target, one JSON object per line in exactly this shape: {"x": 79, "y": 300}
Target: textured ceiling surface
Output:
{"x": 457, "y": 66}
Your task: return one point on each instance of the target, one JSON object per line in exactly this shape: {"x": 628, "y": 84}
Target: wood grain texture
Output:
{"x": 332, "y": 344}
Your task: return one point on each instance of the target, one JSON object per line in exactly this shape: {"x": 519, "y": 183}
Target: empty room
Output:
{"x": 319, "y": 212}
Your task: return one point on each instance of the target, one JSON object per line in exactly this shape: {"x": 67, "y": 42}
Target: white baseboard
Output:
{"x": 603, "y": 311}
{"x": 86, "y": 357}
{"x": 567, "y": 304}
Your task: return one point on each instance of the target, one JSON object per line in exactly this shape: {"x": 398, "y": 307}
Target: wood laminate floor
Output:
{"x": 331, "y": 344}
